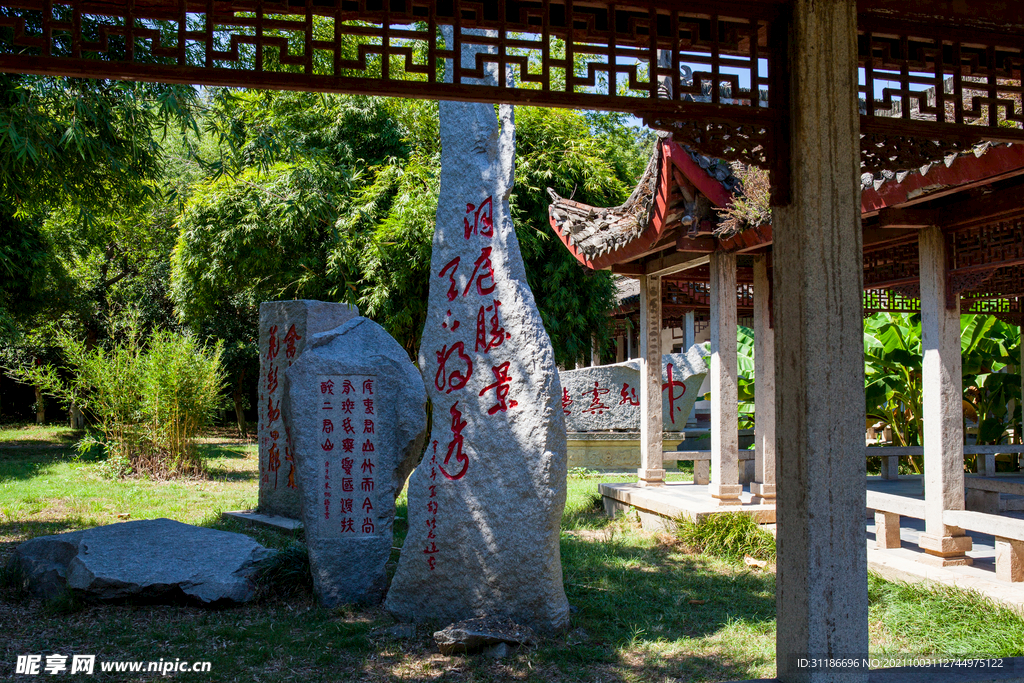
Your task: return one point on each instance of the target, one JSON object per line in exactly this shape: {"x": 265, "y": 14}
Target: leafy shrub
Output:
{"x": 731, "y": 535}
{"x": 149, "y": 401}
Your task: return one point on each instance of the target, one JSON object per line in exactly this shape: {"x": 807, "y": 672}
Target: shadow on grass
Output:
{"x": 27, "y": 462}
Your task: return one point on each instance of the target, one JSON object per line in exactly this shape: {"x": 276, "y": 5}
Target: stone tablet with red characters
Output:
{"x": 356, "y": 407}
{"x": 285, "y": 328}
{"x": 486, "y": 501}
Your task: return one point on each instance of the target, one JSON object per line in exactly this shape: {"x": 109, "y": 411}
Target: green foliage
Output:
{"x": 892, "y": 375}
{"x": 731, "y": 535}
{"x": 285, "y": 574}
{"x": 150, "y": 402}
{"x": 953, "y": 622}
{"x": 893, "y": 380}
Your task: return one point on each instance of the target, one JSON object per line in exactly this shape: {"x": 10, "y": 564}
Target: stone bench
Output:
{"x": 982, "y": 493}
{"x": 702, "y": 464}
{"x": 1009, "y": 535}
{"x": 891, "y": 456}
{"x": 1008, "y": 532}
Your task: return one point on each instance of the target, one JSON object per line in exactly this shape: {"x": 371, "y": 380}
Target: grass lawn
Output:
{"x": 645, "y": 608}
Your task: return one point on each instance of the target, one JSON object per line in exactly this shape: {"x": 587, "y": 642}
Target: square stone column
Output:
{"x": 689, "y": 330}
{"x": 725, "y": 477}
{"x": 763, "y": 486}
{"x": 821, "y": 587}
{"x": 651, "y": 472}
{"x": 942, "y": 392}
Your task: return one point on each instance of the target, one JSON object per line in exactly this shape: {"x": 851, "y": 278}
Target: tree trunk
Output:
{"x": 40, "y": 408}
{"x": 239, "y": 412}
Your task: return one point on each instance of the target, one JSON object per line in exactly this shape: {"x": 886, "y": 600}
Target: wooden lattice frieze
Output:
{"x": 926, "y": 92}
{"x": 893, "y": 266}
{"x": 889, "y": 301}
{"x": 597, "y": 55}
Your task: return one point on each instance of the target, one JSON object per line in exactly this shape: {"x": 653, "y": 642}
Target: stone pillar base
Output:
{"x": 725, "y": 494}
{"x": 887, "y": 530}
{"x": 1009, "y": 560}
{"x": 651, "y": 477}
{"x": 945, "y": 551}
{"x": 762, "y": 494}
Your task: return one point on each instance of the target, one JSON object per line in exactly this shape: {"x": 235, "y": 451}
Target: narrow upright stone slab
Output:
{"x": 607, "y": 397}
{"x": 356, "y": 408}
{"x": 486, "y": 503}
{"x": 285, "y": 328}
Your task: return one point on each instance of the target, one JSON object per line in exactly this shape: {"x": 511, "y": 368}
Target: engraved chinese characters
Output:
{"x": 486, "y": 501}
{"x": 285, "y": 327}
{"x": 356, "y": 408}
{"x": 607, "y": 397}
{"x": 349, "y": 444}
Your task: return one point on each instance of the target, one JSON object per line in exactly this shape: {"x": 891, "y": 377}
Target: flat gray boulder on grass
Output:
{"x": 471, "y": 635}
{"x": 152, "y": 560}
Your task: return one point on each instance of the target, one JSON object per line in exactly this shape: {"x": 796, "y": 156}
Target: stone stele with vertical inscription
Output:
{"x": 356, "y": 407}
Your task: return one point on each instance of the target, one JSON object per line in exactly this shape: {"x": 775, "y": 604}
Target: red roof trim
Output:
{"x": 994, "y": 162}
{"x": 672, "y": 153}
{"x": 711, "y": 188}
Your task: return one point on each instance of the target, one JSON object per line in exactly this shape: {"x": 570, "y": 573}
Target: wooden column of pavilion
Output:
{"x": 792, "y": 109}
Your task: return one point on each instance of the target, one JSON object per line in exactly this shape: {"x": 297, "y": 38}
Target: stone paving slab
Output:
{"x": 675, "y": 500}
{"x": 273, "y": 521}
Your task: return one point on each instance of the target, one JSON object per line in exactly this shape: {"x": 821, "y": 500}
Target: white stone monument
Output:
{"x": 356, "y": 408}
{"x": 607, "y": 397}
{"x": 486, "y": 503}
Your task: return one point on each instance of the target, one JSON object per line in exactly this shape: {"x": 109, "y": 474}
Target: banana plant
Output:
{"x": 892, "y": 376}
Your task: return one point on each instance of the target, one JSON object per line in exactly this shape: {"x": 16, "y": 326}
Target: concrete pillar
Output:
{"x": 651, "y": 472}
{"x": 821, "y": 589}
{"x": 689, "y": 330}
{"x": 629, "y": 344}
{"x": 763, "y": 486}
{"x": 725, "y": 488}
{"x": 942, "y": 393}
{"x": 595, "y": 352}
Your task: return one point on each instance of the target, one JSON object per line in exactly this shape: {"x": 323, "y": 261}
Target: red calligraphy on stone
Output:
{"x": 272, "y": 379}
{"x": 671, "y": 385}
{"x": 347, "y": 388}
{"x": 347, "y": 464}
{"x": 495, "y": 335}
{"x": 501, "y": 386}
{"x": 455, "y": 446}
{"x": 448, "y": 379}
{"x": 628, "y": 396}
{"x": 453, "y": 266}
{"x": 328, "y": 427}
{"x": 482, "y": 262}
{"x": 566, "y": 402}
{"x": 289, "y": 340}
{"x": 368, "y": 386}
{"x": 347, "y": 406}
{"x": 273, "y": 348}
{"x": 596, "y": 405}
{"x": 483, "y": 219}
{"x": 273, "y": 414}
{"x": 348, "y": 445}
{"x": 327, "y": 445}
{"x": 368, "y": 405}
{"x": 327, "y": 387}
{"x": 367, "y": 426}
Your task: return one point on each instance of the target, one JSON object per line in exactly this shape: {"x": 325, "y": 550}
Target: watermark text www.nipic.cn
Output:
{"x": 33, "y": 665}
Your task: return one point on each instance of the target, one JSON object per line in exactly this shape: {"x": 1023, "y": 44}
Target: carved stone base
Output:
{"x": 650, "y": 477}
{"x": 762, "y": 494}
{"x": 945, "y": 551}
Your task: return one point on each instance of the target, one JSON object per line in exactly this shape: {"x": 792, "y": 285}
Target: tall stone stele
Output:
{"x": 486, "y": 502}
{"x": 356, "y": 407}
{"x": 285, "y": 329}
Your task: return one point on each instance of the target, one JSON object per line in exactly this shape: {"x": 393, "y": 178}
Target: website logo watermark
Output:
{"x": 34, "y": 665}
